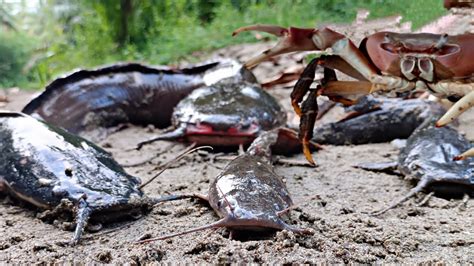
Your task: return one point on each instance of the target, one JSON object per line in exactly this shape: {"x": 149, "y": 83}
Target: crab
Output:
{"x": 384, "y": 61}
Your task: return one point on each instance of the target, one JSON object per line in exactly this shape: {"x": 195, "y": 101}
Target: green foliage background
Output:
{"x": 66, "y": 34}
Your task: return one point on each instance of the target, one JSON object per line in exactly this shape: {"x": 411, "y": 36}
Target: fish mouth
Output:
{"x": 232, "y": 131}
{"x": 233, "y": 136}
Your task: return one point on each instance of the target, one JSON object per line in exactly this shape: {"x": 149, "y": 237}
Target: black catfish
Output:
{"x": 428, "y": 158}
{"x": 248, "y": 195}
{"x": 226, "y": 114}
{"x": 55, "y": 170}
{"x": 87, "y": 102}
{"x": 375, "y": 120}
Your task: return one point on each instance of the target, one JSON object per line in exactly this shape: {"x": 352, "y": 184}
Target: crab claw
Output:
{"x": 468, "y": 153}
{"x": 294, "y": 39}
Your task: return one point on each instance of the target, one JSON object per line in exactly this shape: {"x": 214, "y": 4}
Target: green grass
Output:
{"x": 419, "y": 12}
{"x": 177, "y": 34}
{"x": 185, "y": 39}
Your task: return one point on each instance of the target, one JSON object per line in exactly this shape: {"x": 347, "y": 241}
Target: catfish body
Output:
{"x": 249, "y": 194}
{"x": 227, "y": 114}
{"x": 88, "y": 101}
{"x": 428, "y": 157}
{"x": 45, "y": 166}
{"x": 375, "y": 120}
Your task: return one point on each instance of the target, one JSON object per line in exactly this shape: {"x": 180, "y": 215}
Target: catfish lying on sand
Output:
{"x": 248, "y": 195}
{"x": 374, "y": 120}
{"x": 87, "y": 102}
{"x": 428, "y": 159}
{"x": 225, "y": 114}
{"x": 55, "y": 170}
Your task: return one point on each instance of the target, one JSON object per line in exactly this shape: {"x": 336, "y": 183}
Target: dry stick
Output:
{"x": 165, "y": 166}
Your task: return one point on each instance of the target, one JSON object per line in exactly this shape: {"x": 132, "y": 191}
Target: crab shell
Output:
{"x": 394, "y": 52}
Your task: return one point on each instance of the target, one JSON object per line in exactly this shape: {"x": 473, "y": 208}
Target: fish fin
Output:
{"x": 221, "y": 223}
{"x": 199, "y": 69}
{"x": 419, "y": 187}
{"x": 83, "y": 214}
{"x": 172, "y": 135}
{"x": 384, "y": 167}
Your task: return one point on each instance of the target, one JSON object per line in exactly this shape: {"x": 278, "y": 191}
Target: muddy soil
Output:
{"x": 334, "y": 199}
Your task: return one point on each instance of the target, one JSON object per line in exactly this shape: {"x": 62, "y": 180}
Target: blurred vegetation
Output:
{"x": 64, "y": 34}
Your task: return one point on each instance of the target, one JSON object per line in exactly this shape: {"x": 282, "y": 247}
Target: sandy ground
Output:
{"x": 333, "y": 199}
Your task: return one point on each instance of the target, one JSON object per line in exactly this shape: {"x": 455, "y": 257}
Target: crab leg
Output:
{"x": 457, "y": 109}
{"x": 344, "y": 89}
{"x": 331, "y": 86}
{"x": 303, "y": 84}
{"x": 308, "y": 118}
{"x": 335, "y": 90}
